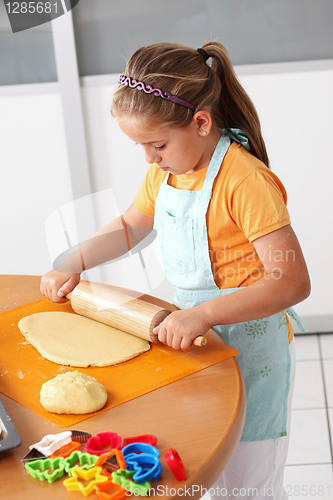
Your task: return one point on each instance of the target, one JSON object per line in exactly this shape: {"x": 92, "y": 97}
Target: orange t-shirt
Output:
{"x": 248, "y": 201}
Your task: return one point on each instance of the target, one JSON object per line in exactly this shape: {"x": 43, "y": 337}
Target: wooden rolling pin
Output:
{"x": 101, "y": 303}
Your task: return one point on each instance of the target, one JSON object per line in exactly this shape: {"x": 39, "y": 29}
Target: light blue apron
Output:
{"x": 182, "y": 248}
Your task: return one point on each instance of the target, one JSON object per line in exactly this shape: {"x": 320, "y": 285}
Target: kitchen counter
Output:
{"x": 201, "y": 416}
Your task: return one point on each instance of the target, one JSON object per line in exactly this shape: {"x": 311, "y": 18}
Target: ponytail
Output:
{"x": 235, "y": 108}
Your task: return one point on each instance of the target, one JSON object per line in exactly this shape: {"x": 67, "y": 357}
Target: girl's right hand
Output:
{"x": 55, "y": 285}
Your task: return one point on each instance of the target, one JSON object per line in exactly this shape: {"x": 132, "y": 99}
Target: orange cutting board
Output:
{"x": 23, "y": 370}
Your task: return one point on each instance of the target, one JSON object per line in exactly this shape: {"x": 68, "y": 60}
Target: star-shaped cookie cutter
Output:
{"x": 93, "y": 475}
{"x": 110, "y": 491}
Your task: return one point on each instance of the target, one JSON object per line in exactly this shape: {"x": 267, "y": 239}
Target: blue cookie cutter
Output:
{"x": 140, "y": 448}
{"x": 146, "y": 466}
{"x": 144, "y": 459}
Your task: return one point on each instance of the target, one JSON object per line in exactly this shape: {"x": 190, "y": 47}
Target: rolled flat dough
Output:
{"x": 73, "y": 393}
{"x": 70, "y": 339}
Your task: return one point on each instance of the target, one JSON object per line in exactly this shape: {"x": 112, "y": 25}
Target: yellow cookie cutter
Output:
{"x": 93, "y": 475}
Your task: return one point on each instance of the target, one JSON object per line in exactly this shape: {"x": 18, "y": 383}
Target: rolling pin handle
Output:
{"x": 200, "y": 341}
{"x": 140, "y": 316}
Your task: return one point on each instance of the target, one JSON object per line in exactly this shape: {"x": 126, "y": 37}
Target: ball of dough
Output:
{"x": 73, "y": 393}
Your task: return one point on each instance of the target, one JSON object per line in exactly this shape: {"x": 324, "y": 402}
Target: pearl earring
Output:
{"x": 204, "y": 132}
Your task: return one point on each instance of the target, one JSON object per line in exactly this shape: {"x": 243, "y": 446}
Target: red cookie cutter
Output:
{"x": 175, "y": 464}
{"x": 96, "y": 445}
{"x": 144, "y": 438}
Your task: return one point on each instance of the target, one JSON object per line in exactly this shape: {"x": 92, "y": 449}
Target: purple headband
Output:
{"x": 148, "y": 89}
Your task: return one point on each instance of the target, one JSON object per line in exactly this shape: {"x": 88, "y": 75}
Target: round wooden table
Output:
{"x": 201, "y": 416}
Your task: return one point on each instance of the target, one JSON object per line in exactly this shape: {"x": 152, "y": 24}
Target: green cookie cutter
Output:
{"x": 124, "y": 478}
{"x": 38, "y": 469}
{"x": 86, "y": 461}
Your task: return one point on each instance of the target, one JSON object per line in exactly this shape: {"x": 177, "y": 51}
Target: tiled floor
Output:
{"x": 308, "y": 474}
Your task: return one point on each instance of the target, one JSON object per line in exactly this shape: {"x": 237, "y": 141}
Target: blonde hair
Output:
{"x": 183, "y": 72}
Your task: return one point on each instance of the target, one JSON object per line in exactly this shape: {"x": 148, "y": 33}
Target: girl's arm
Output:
{"x": 287, "y": 282}
{"x": 112, "y": 241}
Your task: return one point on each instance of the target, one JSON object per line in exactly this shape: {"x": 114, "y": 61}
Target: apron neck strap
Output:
{"x": 228, "y": 135}
{"x": 238, "y": 135}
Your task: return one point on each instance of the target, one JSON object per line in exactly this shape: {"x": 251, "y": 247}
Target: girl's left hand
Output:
{"x": 180, "y": 328}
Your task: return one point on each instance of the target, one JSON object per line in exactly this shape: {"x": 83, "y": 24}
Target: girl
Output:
{"x": 223, "y": 237}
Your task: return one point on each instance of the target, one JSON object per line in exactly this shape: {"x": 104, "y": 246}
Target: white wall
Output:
{"x": 295, "y": 104}
{"x": 34, "y": 178}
